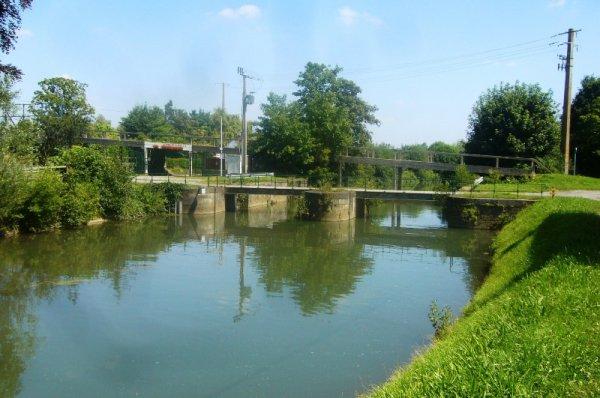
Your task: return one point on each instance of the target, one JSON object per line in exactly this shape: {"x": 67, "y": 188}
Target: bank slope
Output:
{"x": 533, "y": 329}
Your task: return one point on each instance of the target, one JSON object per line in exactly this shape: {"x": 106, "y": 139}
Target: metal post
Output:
{"x": 221, "y": 144}
{"x": 145, "y": 160}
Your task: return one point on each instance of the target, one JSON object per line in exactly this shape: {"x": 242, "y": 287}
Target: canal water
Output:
{"x": 246, "y": 305}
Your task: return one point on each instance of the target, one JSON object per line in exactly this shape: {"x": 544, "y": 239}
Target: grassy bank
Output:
{"x": 544, "y": 182}
{"x": 533, "y": 329}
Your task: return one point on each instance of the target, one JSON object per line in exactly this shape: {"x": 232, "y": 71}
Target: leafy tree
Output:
{"x": 61, "y": 110}
{"x": 232, "y": 125}
{"x": 586, "y": 126}
{"x": 146, "y": 120}
{"x": 284, "y": 142}
{"x": 10, "y": 22}
{"x": 447, "y": 151}
{"x": 102, "y": 128}
{"x": 514, "y": 120}
{"x": 7, "y": 96}
{"x": 22, "y": 140}
{"x": 307, "y": 135}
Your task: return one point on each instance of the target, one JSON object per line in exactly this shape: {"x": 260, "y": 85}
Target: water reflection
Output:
{"x": 314, "y": 265}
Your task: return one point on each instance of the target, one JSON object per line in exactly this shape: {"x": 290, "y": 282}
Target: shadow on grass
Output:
{"x": 575, "y": 235}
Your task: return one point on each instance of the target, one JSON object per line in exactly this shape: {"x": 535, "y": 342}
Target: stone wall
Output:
{"x": 330, "y": 206}
{"x": 481, "y": 213}
{"x": 204, "y": 200}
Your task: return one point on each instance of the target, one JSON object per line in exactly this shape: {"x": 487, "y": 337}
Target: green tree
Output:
{"x": 61, "y": 110}
{"x": 586, "y": 126}
{"x": 327, "y": 118}
{"x": 146, "y": 120}
{"x": 102, "y": 128}
{"x": 514, "y": 120}
{"x": 283, "y": 141}
{"x": 10, "y": 22}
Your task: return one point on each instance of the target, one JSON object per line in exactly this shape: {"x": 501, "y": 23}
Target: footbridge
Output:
{"x": 442, "y": 161}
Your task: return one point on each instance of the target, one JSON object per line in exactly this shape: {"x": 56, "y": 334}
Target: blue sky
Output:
{"x": 407, "y": 56}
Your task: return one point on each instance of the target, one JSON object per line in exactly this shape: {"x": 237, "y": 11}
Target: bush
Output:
{"x": 462, "y": 177}
{"x": 108, "y": 169}
{"x": 81, "y": 203}
{"x": 145, "y": 200}
{"x": 321, "y": 176}
{"x": 13, "y": 191}
{"x": 440, "y": 319}
{"x": 41, "y": 209}
{"x": 172, "y": 193}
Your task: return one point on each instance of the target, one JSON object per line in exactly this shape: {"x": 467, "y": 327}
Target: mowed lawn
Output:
{"x": 533, "y": 328}
{"x": 544, "y": 183}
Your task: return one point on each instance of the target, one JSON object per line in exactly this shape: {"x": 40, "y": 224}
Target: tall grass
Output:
{"x": 533, "y": 329}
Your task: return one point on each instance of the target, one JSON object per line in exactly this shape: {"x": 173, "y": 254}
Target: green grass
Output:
{"x": 533, "y": 328}
{"x": 545, "y": 182}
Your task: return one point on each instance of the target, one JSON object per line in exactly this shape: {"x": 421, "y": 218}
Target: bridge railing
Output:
{"x": 474, "y": 159}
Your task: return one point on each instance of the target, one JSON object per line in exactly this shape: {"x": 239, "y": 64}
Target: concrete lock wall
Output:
{"x": 204, "y": 200}
{"x": 330, "y": 206}
{"x": 244, "y": 202}
{"x": 481, "y": 213}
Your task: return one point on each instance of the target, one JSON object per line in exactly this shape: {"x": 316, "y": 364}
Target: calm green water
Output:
{"x": 228, "y": 306}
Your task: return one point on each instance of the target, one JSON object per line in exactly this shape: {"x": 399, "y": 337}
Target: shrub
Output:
{"x": 143, "y": 200}
{"x": 81, "y": 203}
{"x": 13, "y": 191}
{"x": 172, "y": 193}
{"x": 440, "y": 318}
{"x": 108, "y": 169}
{"x": 321, "y": 176}
{"x": 41, "y": 209}
{"x": 462, "y": 177}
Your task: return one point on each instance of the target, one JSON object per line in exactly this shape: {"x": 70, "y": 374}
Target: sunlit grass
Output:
{"x": 533, "y": 329}
{"x": 544, "y": 183}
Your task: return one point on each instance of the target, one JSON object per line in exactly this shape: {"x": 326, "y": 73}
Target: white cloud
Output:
{"x": 349, "y": 16}
{"x": 557, "y": 3}
{"x": 248, "y": 11}
{"x": 24, "y": 33}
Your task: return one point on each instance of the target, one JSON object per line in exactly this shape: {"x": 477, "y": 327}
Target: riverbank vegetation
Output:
{"x": 532, "y": 328}
{"x": 89, "y": 183}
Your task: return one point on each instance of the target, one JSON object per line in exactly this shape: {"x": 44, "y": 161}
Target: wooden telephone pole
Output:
{"x": 567, "y": 66}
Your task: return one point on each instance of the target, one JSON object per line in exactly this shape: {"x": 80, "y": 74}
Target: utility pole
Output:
{"x": 221, "y": 145}
{"x": 566, "y": 116}
{"x": 246, "y": 100}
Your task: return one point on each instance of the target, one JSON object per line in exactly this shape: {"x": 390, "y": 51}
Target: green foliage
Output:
{"x": 321, "y": 176}
{"x": 531, "y": 329}
{"x": 13, "y": 192}
{"x": 61, "y": 110}
{"x": 440, "y": 319}
{"x": 586, "y": 126}
{"x": 143, "y": 200}
{"x": 178, "y": 165}
{"x": 493, "y": 177}
{"x": 146, "y": 120}
{"x": 462, "y": 177}
{"x": 169, "y": 192}
{"x": 307, "y": 135}
{"x": 42, "y": 205}
{"x": 81, "y": 203}
{"x": 514, "y": 120}
{"x": 21, "y": 140}
{"x": 102, "y": 128}
{"x": 107, "y": 169}
{"x": 175, "y": 124}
